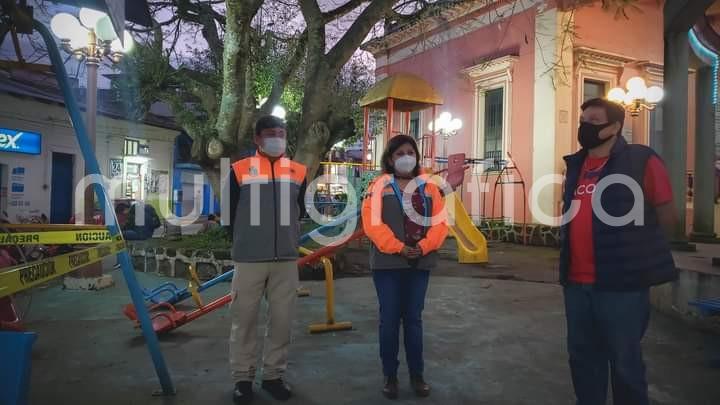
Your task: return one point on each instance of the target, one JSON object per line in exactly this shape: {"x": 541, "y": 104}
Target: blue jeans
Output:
{"x": 401, "y": 294}
{"x": 604, "y": 331}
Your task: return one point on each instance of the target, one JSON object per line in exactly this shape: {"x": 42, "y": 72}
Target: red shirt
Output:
{"x": 657, "y": 190}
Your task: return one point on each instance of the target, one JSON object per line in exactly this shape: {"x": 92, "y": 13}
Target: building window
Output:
{"x": 493, "y": 125}
{"x": 415, "y": 124}
{"x": 131, "y": 147}
{"x": 593, "y": 89}
{"x": 493, "y": 86}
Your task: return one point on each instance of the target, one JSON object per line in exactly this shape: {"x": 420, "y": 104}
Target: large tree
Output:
{"x": 251, "y": 50}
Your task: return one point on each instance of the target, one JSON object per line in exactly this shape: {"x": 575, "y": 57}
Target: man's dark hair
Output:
{"x": 615, "y": 112}
{"x": 394, "y": 144}
{"x": 268, "y": 122}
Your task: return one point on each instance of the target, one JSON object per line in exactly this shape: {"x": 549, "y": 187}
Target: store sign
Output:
{"x": 15, "y": 141}
{"x": 116, "y": 168}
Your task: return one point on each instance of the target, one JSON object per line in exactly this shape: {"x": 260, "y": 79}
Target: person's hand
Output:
{"x": 406, "y": 251}
{"x": 415, "y": 253}
{"x": 411, "y": 252}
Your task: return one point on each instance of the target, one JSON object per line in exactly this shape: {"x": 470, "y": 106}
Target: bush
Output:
{"x": 213, "y": 239}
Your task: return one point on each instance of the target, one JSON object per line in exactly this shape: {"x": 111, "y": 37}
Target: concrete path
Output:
{"x": 487, "y": 341}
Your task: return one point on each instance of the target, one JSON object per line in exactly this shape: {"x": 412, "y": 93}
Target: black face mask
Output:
{"x": 589, "y": 135}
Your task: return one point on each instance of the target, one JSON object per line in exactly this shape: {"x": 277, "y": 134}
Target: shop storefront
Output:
{"x": 41, "y": 163}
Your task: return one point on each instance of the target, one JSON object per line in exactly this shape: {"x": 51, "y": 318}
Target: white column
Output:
{"x": 544, "y": 130}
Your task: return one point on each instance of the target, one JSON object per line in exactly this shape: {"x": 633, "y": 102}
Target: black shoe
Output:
{"x": 243, "y": 393}
{"x": 390, "y": 390}
{"x": 278, "y": 389}
{"x": 421, "y": 388}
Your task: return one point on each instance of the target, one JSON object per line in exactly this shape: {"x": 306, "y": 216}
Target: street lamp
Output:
{"x": 637, "y": 97}
{"x": 91, "y": 39}
{"x": 447, "y": 126}
{"x": 277, "y": 111}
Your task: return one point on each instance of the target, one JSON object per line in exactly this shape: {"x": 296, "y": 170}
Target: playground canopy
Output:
{"x": 403, "y": 92}
{"x": 408, "y": 92}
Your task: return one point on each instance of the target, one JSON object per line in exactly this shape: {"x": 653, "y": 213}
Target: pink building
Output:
{"x": 515, "y": 73}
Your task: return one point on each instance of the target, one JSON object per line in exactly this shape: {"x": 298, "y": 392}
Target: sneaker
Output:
{"x": 243, "y": 393}
{"x": 421, "y": 388}
{"x": 278, "y": 389}
{"x": 390, "y": 389}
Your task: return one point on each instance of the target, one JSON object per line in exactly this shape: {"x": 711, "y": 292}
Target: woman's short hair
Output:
{"x": 394, "y": 144}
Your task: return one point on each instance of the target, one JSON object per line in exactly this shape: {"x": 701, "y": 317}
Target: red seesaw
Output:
{"x": 171, "y": 318}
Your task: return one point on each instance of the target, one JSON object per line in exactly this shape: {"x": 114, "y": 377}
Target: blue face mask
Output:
{"x": 405, "y": 164}
{"x": 274, "y": 146}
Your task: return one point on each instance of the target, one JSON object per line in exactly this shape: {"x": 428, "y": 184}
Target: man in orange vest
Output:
{"x": 268, "y": 204}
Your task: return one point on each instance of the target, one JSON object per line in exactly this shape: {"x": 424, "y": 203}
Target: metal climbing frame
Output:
{"x": 510, "y": 174}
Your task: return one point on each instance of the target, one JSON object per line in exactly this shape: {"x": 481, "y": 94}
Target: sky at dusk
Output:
{"x": 289, "y": 21}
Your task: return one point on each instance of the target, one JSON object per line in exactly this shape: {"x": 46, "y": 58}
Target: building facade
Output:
{"x": 39, "y": 178}
{"x": 515, "y": 73}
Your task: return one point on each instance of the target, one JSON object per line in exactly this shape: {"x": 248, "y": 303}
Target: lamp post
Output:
{"x": 637, "y": 97}
{"x": 447, "y": 126}
{"x": 91, "y": 38}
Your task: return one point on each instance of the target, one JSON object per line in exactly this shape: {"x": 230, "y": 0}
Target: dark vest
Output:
{"x": 630, "y": 256}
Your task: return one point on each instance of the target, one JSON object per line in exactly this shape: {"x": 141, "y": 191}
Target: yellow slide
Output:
{"x": 471, "y": 243}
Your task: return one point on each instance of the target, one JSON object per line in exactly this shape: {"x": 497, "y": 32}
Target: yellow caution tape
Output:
{"x": 56, "y": 237}
{"x": 25, "y": 276}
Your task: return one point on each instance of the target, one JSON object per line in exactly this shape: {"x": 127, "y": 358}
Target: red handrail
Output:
{"x": 328, "y": 249}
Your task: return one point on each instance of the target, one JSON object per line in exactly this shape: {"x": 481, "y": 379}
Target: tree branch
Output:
{"x": 236, "y": 57}
{"x": 282, "y": 79}
{"x": 316, "y": 34}
{"x": 311, "y": 11}
{"x": 356, "y": 34}
{"x": 341, "y": 10}
{"x": 681, "y": 15}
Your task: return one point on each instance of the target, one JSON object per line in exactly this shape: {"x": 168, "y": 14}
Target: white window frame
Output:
{"x": 495, "y": 74}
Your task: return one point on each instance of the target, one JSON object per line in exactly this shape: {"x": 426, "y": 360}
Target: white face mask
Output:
{"x": 405, "y": 164}
{"x": 274, "y": 146}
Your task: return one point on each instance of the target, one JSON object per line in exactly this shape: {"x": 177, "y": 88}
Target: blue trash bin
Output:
{"x": 15, "y": 351}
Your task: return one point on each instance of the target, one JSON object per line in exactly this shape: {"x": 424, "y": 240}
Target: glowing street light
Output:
{"x": 279, "y": 112}
{"x": 637, "y": 97}
{"x": 446, "y": 125}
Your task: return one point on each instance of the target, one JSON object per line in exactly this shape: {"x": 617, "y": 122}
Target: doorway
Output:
{"x": 61, "y": 188}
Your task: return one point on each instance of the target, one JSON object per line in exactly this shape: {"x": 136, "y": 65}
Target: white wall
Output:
{"x": 544, "y": 130}
{"x": 51, "y": 121}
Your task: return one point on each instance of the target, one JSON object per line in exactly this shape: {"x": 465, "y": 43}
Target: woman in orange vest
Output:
{"x": 403, "y": 216}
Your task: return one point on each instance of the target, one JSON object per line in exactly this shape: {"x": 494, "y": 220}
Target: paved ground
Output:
{"x": 495, "y": 342}
{"x": 507, "y": 262}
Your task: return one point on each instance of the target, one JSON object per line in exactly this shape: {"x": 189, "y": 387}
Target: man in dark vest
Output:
{"x": 617, "y": 200}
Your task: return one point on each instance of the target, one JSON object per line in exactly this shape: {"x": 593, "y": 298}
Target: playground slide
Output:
{"x": 471, "y": 243}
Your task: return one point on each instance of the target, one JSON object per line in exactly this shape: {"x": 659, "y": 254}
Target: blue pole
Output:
{"x": 92, "y": 167}
{"x": 185, "y": 294}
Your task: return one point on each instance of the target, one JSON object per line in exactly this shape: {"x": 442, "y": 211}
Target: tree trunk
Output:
{"x": 310, "y": 147}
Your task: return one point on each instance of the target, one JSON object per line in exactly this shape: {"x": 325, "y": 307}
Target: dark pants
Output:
{"x": 604, "y": 330}
{"x": 136, "y": 234}
{"x": 401, "y": 294}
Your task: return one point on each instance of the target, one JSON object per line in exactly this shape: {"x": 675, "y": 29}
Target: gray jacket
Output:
{"x": 268, "y": 204}
{"x": 388, "y": 236}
